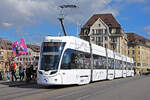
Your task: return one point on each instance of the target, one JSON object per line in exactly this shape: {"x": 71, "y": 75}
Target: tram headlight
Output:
{"x": 40, "y": 72}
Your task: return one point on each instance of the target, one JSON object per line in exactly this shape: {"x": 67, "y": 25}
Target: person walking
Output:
{"x": 21, "y": 72}
{"x": 28, "y": 73}
{"x": 13, "y": 71}
{"x": 8, "y": 71}
{"x": 31, "y": 71}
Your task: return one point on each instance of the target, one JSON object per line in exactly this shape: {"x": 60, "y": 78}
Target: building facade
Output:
{"x": 30, "y": 58}
{"x": 101, "y": 29}
{"x": 139, "y": 50}
{"x": 5, "y": 53}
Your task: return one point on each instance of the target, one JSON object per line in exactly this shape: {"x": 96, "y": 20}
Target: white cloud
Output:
{"x": 147, "y": 29}
{"x": 148, "y": 33}
{"x": 5, "y": 24}
{"x": 22, "y": 13}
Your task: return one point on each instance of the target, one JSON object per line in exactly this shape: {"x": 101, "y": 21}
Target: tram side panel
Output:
{"x": 99, "y": 68}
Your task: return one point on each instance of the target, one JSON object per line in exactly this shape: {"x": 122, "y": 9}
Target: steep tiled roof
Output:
{"x": 135, "y": 38}
{"x": 5, "y": 44}
{"x": 106, "y": 18}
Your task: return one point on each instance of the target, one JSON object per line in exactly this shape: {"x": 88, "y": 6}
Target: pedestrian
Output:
{"x": 21, "y": 72}
{"x": 34, "y": 72}
{"x": 31, "y": 72}
{"x": 13, "y": 71}
{"x": 8, "y": 71}
{"x": 1, "y": 75}
{"x": 28, "y": 73}
{"x": 140, "y": 72}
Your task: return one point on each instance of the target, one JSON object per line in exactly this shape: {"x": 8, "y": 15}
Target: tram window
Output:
{"x": 130, "y": 66}
{"x": 111, "y": 63}
{"x": 99, "y": 62}
{"x": 66, "y": 61}
{"x": 121, "y": 64}
{"x": 87, "y": 60}
{"x": 117, "y": 64}
{"x": 73, "y": 59}
{"x": 79, "y": 60}
{"x": 103, "y": 63}
{"x": 126, "y": 65}
{"x": 87, "y": 55}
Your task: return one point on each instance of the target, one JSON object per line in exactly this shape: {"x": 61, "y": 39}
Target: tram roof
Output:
{"x": 82, "y": 43}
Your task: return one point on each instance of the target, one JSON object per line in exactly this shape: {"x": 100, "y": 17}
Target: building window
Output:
{"x": 128, "y": 52}
{"x": 100, "y": 31}
{"x": 27, "y": 53}
{"x": 99, "y": 39}
{"x": 93, "y": 31}
{"x": 133, "y": 46}
{"x": 113, "y": 47}
{"x": 105, "y": 45}
{"x": 85, "y": 31}
{"x": 99, "y": 25}
{"x": 1, "y": 57}
{"x": 105, "y": 38}
{"x": 133, "y": 52}
{"x": 138, "y": 64}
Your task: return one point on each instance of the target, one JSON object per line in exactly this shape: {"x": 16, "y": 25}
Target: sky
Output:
{"x": 35, "y": 19}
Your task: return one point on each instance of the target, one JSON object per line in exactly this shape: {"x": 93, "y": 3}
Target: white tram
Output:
{"x": 67, "y": 60}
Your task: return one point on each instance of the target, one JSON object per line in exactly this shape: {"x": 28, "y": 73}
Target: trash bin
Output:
{"x": 1, "y": 75}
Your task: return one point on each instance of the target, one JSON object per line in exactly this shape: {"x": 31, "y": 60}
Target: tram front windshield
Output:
{"x": 51, "y": 52}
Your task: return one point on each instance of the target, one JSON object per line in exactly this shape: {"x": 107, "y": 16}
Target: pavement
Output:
{"x": 5, "y": 84}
